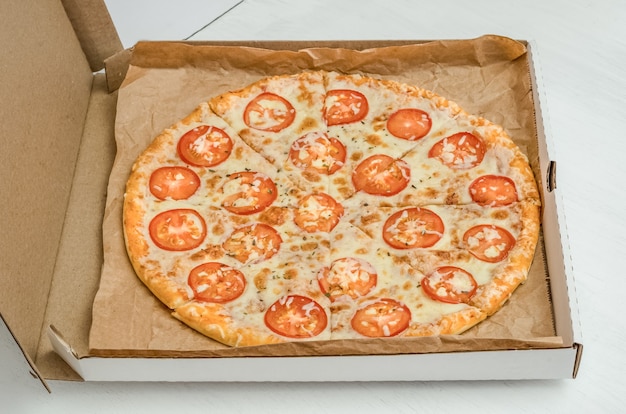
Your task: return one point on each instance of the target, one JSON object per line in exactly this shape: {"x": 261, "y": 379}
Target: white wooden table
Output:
{"x": 582, "y": 53}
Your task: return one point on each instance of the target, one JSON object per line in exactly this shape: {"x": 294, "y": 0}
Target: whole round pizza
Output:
{"x": 322, "y": 206}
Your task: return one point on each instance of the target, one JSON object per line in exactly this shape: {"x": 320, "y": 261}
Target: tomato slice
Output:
{"x": 318, "y": 212}
{"x": 347, "y": 276}
{"x": 459, "y": 151}
{"x": 450, "y": 284}
{"x": 344, "y": 106}
{"x": 381, "y": 175}
{"x": 409, "y": 123}
{"x": 319, "y": 152}
{"x": 216, "y": 282}
{"x": 204, "y": 146}
{"x": 489, "y": 243}
{"x": 382, "y": 318}
{"x": 177, "y": 230}
{"x": 248, "y": 192}
{"x": 253, "y": 243}
{"x": 413, "y": 228}
{"x": 493, "y": 190}
{"x": 296, "y": 316}
{"x": 269, "y": 112}
{"x": 177, "y": 183}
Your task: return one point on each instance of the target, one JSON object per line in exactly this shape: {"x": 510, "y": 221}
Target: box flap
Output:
{"x": 79, "y": 259}
{"x": 48, "y": 81}
{"x": 94, "y": 29}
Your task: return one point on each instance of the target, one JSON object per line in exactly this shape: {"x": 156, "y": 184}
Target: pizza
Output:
{"x": 323, "y": 206}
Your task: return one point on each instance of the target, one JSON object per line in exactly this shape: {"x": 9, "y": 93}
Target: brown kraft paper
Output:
{"x": 488, "y": 77}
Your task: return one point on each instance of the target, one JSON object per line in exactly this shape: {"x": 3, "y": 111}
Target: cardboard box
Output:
{"x": 59, "y": 147}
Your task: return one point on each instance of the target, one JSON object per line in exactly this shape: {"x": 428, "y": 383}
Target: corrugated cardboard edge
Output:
{"x": 64, "y": 349}
{"x": 94, "y": 29}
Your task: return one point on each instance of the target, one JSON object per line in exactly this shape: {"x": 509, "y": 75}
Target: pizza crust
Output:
{"x": 213, "y": 321}
{"x": 450, "y": 324}
{"x": 492, "y": 296}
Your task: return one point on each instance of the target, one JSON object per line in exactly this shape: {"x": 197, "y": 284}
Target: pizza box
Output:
{"x": 63, "y": 109}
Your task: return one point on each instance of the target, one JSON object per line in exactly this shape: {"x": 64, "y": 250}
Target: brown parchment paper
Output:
{"x": 488, "y": 76}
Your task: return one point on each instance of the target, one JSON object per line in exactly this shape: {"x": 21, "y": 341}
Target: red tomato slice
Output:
{"x": 177, "y": 230}
{"x": 318, "y": 212}
{"x": 413, "y": 228}
{"x": 248, "y": 192}
{"x": 253, "y": 243}
{"x": 489, "y": 243}
{"x": 450, "y": 284}
{"x": 459, "y": 151}
{"x": 382, "y": 318}
{"x": 381, "y": 175}
{"x": 216, "y": 282}
{"x": 318, "y": 152}
{"x": 204, "y": 146}
{"x": 344, "y": 106}
{"x": 493, "y": 190}
{"x": 347, "y": 277}
{"x": 269, "y": 112}
{"x": 296, "y": 316}
{"x": 409, "y": 123}
{"x": 177, "y": 183}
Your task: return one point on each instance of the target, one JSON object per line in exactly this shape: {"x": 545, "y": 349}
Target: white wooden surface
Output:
{"x": 582, "y": 52}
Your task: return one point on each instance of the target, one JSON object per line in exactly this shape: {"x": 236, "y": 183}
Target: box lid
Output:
{"x": 48, "y": 66}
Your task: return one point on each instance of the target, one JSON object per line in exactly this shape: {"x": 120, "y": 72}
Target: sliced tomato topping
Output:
{"x": 489, "y": 243}
{"x": 177, "y": 183}
{"x": 253, "y": 243}
{"x": 459, "y": 151}
{"x": 413, "y": 228}
{"x": 344, "y": 106}
{"x": 216, "y": 282}
{"x": 269, "y": 112}
{"x": 450, "y": 284}
{"x": 177, "y": 230}
{"x": 318, "y": 212}
{"x": 493, "y": 190}
{"x": 381, "y": 175}
{"x": 318, "y": 152}
{"x": 205, "y": 146}
{"x": 296, "y": 316}
{"x": 248, "y": 192}
{"x": 409, "y": 123}
{"x": 347, "y": 276}
{"x": 382, "y": 318}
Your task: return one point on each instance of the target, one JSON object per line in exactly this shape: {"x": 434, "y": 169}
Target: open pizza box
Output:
{"x": 60, "y": 148}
